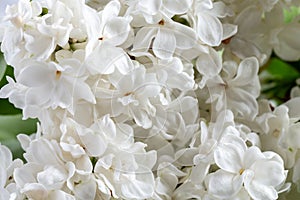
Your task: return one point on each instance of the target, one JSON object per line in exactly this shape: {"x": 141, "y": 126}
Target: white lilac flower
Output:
{"x": 131, "y": 95}
{"x": 258, "y": 172}
{"x": 7, "y": 167}
{"x": 50, "y": 172}
{"x": 250, "y": 29}
{"x": 167, "y": 179}
{"x": 193, "y": 183}
{"x": 209, "y": 65}
{"x": 168, "y": 36}
{"x": 276, "y": 37}
{"x": 13, "y": 25}
{"x": 238, "y": 88}
{"x": 51, "y": 85}
{"x": 148, "y": 99}
{"x": 156, "y": 23}
{"x": 151, "y": 12}
{"x": 122, "y": 176}
{"x": 173, "y": 73}
{"x": 205, "y": 21}
{"x": 125, "y": 168}
{"x": 282, "y": 137}
{"x": 109, "y": 27}
{"x": 44, "y": 171}
{"x": 79, "y": 140}
{"x": 107, "y": 59}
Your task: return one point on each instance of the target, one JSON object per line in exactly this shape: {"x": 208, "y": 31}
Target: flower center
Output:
{"x": 161, "y": 22}
{"x": 226, "y": 41}
{"x": 17, "y": 21}
{"x": 276, "y": 133}
{"x": 241, "y": 171}
{"x": 127, "y": 94}
{"x": 57, "y": 74}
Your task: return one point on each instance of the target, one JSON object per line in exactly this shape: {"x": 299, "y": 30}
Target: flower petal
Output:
{"x": 209, "y": 64}
{"x": 223, "y": 184}
{"x": 144, "y": 38}
{"x": 260, "y": 191}
{"x": 164, "y": 44}
{"x": 177, "y": 6}
{"x": 209, "y": 29}
{"x": 247, "y": 72}
{"x": 229, "y": 157}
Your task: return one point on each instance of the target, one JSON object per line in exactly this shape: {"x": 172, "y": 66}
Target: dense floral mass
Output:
{"x": 140, "y": 99}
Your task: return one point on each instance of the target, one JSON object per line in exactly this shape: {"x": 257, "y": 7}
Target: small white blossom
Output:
{"x": 260, "y": 172}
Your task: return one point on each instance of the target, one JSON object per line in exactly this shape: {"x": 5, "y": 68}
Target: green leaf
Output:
{"x": 10, "y": 127}
{"x": 7, "y": 108}
{"x": 291, "y": 13}
{"x": 2, "y": 66}
{"x": 277, "y": 79}
{"x": 280, "y": 70}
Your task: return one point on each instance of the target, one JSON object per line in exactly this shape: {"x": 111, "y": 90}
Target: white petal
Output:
{"x": 5, "y": 156}
{"x": 229, "y": 30}
{"x": 243, "y": 48}
{"x": 185, "y": 156}
{"x": 209, "y": 64}
{"x": 146, "y": 159}
{"x": 177, "y": 6}
{"x": 140, "y": 188}
{"x": 3, "y": 176}
{"x": 289, "y": 46}
{"x": 247, "y": 72}
{"x": 44, "y": 152}
{"x": 94, "y": 144}
{"x": 74, "y": 149}
{"x": 234, "y": 140}
{"x": 116, "y": 31}
{"x": 39, "y": 95}
{"x": 105, "y": 59}
{"x": 83, "y": 91}
{"x": 112, "y": 8}
{"x": 4, "y": 194}
{"x": 229, "y": 158}
{"x": 293, "y": 105}
{"x": 294, "y": 135}
{"x": 151, "y": 87}
{"x": 260, "y": 191}
{"x": 220, "y": 10}
{"x": 151, "y": 6}
{"x": 251, "y": 155}
{"x": 209, "y": 29}
{"x": 249, "y": 21}
{"x": 58, "y": 194}
{"x": 185, "y": 36}
{"x": 26, "y": 174}
{"x": 223, "y": 184}
{"x": 39, "y": 45}
{"x": 108, "y": 126}
{"x": 52, "y": 177}
{"x": 269, "y": 173}
{"x": 86, "y": 190}
{"x": 35, "y": 191}
{"x": 164, "y": 44}
{"x": 296, "y": 171}
{"x": 36, "y": 75}
{"x": 199, "y": 173}
{"x": 242, "y": 102}
{"x": 141, "y": 117}
{"x": 144, "y": 38}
